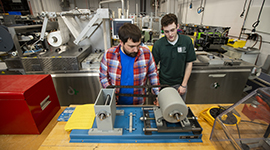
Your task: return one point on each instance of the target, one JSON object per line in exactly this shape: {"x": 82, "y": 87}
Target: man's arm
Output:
{"x": 152, "y": 74}
{"x": 182, "y": 89}
{"x": 103, "y": 72}
{"x": 155, "y": 55}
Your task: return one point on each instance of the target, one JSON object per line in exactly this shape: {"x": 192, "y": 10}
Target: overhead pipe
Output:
{"x": 122, "y": 1}
{"x": 156, "y": 7}
{"x": 203, "y": 12}
{"x": 168, "y": 6}
{"x": 110, "y": 1}
{"x": 144, "y": 6}
{"x": 127, "y": 8}
{"x": 137, "y": 10}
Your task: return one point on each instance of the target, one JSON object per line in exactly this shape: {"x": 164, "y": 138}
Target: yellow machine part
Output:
{"x": 150, "y": 47}
{"x": 210, "y": 119}
{"x": 237, "y": 43}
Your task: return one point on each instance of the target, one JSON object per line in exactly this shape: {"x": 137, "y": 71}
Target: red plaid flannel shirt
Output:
{"x": 144, "y": 66}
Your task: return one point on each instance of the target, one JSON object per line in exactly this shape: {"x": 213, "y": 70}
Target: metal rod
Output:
{"x": 150, "y": 129}
{"x": 156, "y": 8}
{"x": 102, "y": 116}
{"x": 122, "y": 16}
{"x": 168, "y": 6}
{"x": 177, "y": 117}
{"x": 145, "y": 118}
{"x": 183, "y": 125}
{"x": 130, "y": 122}
{"x": 147, "y": 108}
{"x": 104, "y": 35}
{"x": 127, "y": 8}
{"x": 109, "y": 1}
{"x": 108, "y": 99}
{"x": 186, "y": 13}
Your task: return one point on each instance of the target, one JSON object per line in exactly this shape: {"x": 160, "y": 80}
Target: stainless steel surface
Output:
{"x": 77, "y": 88}
{"x": 92, "y": 24}
{"x": 203, "y": 89}
{"x": 209, "y": 84}
{"x": 92, "y": 62}
{"x": 53, "y": 62}
{"x": 247, "y": 55}
{"x": 14, "y": 63}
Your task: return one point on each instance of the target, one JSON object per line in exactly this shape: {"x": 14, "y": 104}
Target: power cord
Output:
{"x": 242, "y": 14}
{"x": 256, "y": 23}
{"x": 200, "y": 9}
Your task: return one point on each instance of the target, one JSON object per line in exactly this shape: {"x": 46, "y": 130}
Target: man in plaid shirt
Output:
{"x": 129, "y": 64}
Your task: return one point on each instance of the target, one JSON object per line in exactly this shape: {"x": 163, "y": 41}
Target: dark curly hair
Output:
{"x": 129, "y": 31}
{"x": 168, "y": 19}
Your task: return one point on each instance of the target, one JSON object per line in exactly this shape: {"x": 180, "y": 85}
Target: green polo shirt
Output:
{"x": 173, "y": 58}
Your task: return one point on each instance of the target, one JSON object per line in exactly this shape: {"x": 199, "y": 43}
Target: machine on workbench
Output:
{"x": 171, "y": 122}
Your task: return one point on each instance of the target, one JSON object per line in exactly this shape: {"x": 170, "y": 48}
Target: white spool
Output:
{"x": 59, "y": 37}
{"x": 55, "y": 39}
{"x": 171, "y": 102}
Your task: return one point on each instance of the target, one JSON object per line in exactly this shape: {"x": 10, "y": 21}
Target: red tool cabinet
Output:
{"x": 27, "y": 103}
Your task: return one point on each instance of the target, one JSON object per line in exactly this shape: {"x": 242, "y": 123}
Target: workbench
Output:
{"x": 58, "y": 138}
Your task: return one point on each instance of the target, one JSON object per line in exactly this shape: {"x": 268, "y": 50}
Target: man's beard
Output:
{"x": 132, "y": 54}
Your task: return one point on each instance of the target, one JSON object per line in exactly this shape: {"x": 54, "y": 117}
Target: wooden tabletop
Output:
{"x": 59, "y": 138}
{"x": 28, "y": 141}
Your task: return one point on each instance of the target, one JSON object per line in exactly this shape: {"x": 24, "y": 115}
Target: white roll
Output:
{"x": 55, "y": 39}
{"x": 170, "y": 103}
{"x": 59, "y": 37}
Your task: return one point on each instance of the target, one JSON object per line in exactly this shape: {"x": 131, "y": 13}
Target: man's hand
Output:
{"x": 181, "y": 90}
{"x": 156, "y": 102}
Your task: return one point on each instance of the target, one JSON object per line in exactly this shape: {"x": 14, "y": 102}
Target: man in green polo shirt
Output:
{"x": 175, "y": 54}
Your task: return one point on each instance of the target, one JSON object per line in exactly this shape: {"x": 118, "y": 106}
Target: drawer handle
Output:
{"x": 45, "y": 102}
{"x": 216, "y": 75}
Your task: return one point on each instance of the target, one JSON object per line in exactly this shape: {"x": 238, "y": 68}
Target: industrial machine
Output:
{"x": 62, "y": 47}
{"x": 52, "y": 49}
{"x": 172, "y": 122}
{"x": 207, "y": 38}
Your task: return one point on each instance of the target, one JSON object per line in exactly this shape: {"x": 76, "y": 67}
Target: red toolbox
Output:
{"x": 27, "y": 103}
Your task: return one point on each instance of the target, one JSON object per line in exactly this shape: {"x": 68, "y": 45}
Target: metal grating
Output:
{"x": 32, "y": 64}
{"x": 60, "y": 64}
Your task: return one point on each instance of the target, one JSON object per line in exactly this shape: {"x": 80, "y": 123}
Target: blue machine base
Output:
{"x": 136, "y": 136}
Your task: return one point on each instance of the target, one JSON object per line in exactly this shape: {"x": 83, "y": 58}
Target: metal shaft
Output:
{"x": 107, "y": 101}
{"x": 130, "y": 122}
{"x": 150, "y": 129}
